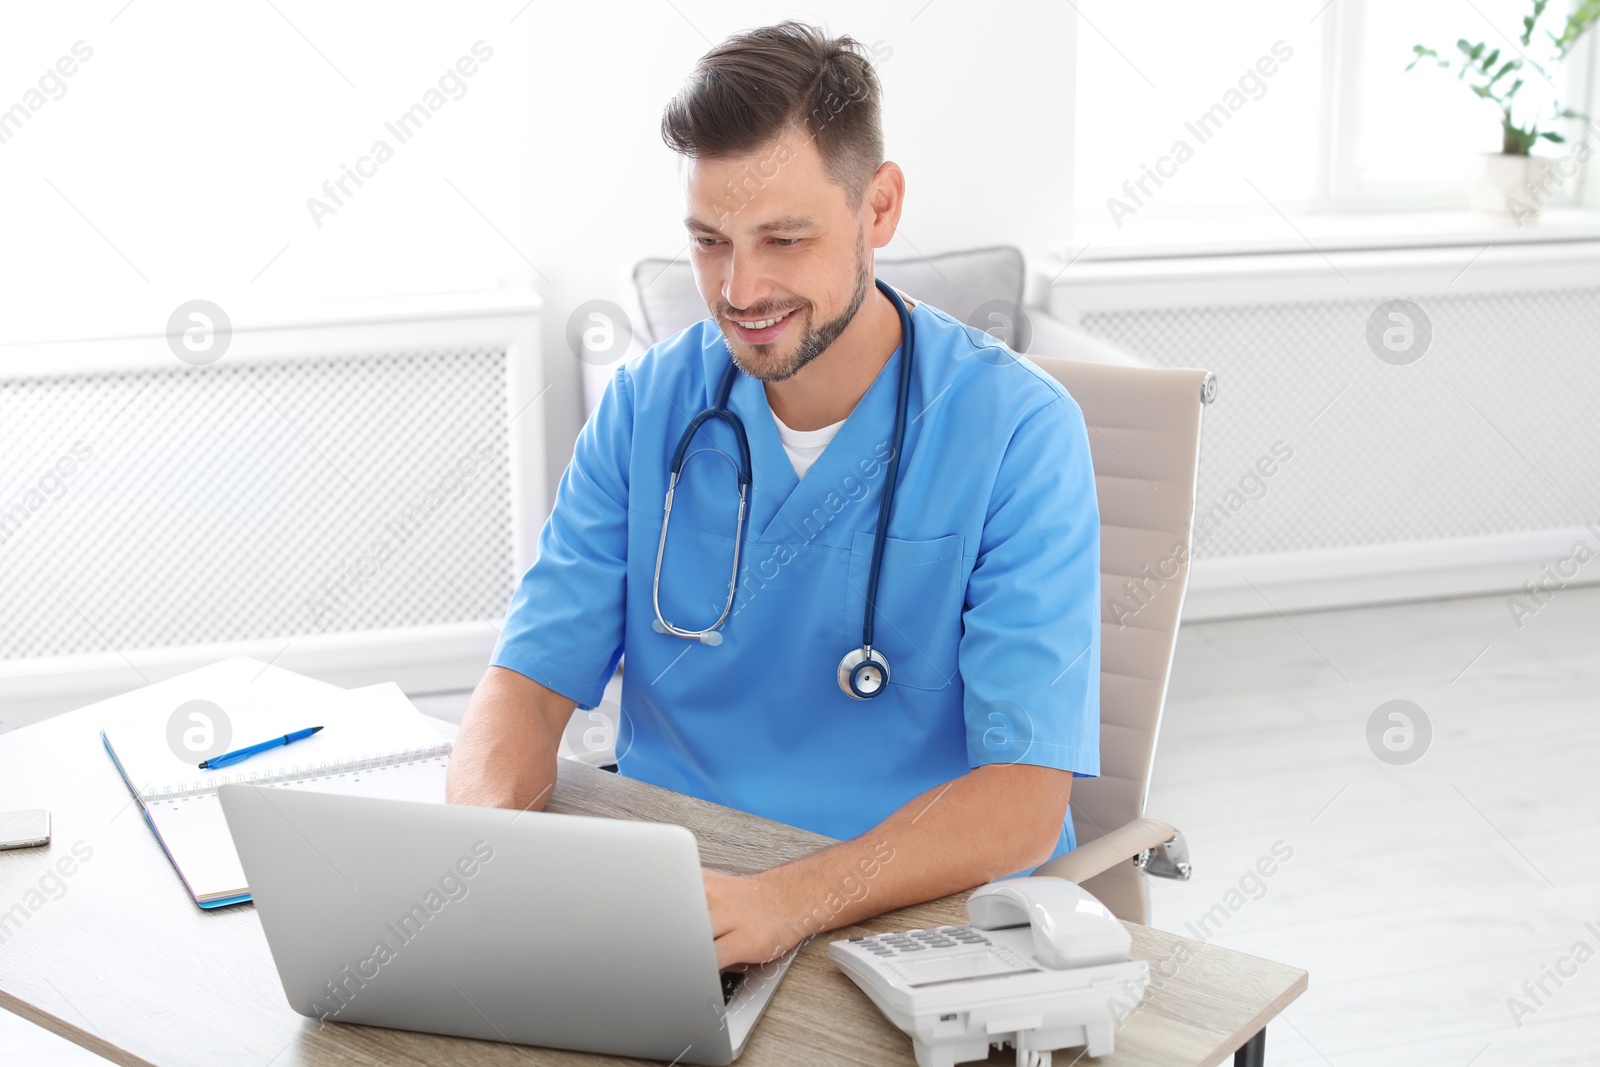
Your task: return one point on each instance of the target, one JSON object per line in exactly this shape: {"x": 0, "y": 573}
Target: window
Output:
{"x": 1311, "y": 107}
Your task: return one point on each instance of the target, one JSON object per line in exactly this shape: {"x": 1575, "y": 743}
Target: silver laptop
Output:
{"x": 558, "y": 930}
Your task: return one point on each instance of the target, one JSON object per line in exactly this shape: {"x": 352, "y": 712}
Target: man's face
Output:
{"x": 771, "y": 237}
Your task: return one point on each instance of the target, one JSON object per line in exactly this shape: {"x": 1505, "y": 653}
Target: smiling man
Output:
{"x": 951, "y": 765}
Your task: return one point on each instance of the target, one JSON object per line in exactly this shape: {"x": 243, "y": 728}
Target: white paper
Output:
{"x": 363, "y": 746}
{"x": 357, "y": 723}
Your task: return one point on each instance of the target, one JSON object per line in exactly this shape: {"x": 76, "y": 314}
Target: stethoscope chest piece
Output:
{"x": 863, "y": 673}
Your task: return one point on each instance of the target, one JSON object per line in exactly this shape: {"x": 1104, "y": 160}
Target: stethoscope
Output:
{"x": 863, "y": 672}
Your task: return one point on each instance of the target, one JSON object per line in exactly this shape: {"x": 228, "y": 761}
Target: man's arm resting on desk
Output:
{"x": 991, "y": 822}
{"x": 505, "y": 754}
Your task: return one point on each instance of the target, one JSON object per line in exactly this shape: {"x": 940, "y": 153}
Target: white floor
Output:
{"x": 1420, "y": 897}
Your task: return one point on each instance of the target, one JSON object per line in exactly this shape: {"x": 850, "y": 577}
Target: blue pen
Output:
{"x": 245, "y": 753}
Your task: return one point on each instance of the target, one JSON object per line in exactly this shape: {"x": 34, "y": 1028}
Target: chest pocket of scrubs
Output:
{"x": 918, "y": 618}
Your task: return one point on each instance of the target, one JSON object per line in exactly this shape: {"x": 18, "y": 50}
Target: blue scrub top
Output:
{"x": 988, "y": 603}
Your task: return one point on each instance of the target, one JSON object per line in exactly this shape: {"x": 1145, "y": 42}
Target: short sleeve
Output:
{"x": 564, "y": 627}
{"x": 1030, "y": 646}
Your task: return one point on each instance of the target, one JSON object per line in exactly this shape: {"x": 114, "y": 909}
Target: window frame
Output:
{"x": 1340, "y": 190}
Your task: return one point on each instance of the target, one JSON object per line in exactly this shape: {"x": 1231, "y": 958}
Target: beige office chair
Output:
{"x": 1144, "y": 435}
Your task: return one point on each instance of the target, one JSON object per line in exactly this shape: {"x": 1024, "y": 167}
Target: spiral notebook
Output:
{"x": 373, "y": 742}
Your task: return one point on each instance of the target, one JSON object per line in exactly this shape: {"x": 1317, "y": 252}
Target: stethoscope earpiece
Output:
{"x": 863, "y": 673}
{"x": 705, "y": 637}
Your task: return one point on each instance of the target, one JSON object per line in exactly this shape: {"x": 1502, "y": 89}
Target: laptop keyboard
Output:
{"x": 731, "y": 981}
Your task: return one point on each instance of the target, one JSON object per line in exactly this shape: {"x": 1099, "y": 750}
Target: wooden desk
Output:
{"x": 117, "y": 958}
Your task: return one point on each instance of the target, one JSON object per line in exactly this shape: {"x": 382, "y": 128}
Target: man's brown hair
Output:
{"x": 756, "y": 85}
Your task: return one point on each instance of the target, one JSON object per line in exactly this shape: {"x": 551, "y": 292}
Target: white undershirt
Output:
{"x": 804, "y": 446}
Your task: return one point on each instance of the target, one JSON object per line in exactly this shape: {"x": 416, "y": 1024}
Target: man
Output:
{"x": 960, "y": 769}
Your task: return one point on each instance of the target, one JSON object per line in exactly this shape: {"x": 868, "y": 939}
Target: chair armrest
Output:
{"x": 1055, "y": 337}
{"x": 1121, "y": 845}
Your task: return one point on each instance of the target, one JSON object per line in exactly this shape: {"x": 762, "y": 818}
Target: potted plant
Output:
{"x": 1513, "y": 182}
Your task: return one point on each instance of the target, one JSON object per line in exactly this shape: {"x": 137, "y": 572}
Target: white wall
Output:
{"x": 177, "y": 161}
{"x": 180, "y": 159}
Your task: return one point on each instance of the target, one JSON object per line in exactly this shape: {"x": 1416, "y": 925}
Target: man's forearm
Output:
{"x": 505, "y": 754}
{"x": 991, "y": 822}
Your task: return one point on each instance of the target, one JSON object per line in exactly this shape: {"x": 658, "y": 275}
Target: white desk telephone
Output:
{"x": 1043, "y": 965}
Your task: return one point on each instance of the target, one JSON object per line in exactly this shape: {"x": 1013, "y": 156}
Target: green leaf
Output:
{"x": 1529, "y": 20}
{"x": 1465, "y": 46}
{"x": 1552, "y": 136}
{"x": 1516, "y": 141}
{"x": 1422, "y": 53}
{"x": 1489, "y": 60}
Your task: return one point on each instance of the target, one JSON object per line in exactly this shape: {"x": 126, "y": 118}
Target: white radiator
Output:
{"x": 1468, "y": 470}
{"x": 352, "y": 497}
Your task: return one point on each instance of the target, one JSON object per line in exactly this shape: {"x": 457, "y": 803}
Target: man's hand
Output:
{"x": 990, "y": 822}
{"x": 748, "y": 918}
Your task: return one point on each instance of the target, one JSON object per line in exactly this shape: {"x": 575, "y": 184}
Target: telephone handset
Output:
{"x": 1070, "y": 927}
{"x": 1042, "y": 965}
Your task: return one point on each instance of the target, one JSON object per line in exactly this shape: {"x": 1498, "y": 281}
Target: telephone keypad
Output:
{"x": 892, "y": 944}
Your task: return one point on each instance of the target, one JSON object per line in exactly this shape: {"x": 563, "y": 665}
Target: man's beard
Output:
{"x": 813, "y": 341}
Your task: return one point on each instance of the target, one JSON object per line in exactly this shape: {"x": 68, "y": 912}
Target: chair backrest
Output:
{"x": 1144, "y": 435}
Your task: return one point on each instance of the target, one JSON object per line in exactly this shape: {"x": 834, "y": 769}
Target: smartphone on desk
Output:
{"x": 24, "y": 829}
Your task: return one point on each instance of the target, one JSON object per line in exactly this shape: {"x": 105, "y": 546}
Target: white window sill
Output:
{"x": 1264, "y": 234}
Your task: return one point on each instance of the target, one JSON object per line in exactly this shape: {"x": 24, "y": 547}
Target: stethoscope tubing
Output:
{"x": 880, "y": 535}
{"x": 720, "y": 411}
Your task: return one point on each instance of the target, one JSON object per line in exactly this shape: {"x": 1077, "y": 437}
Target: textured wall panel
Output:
{"x": 1496, "y": 429}
{"x": 162, "y": 507}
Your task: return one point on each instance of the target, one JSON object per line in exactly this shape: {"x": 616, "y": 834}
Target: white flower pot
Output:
{"x": 1509, "y": 187}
